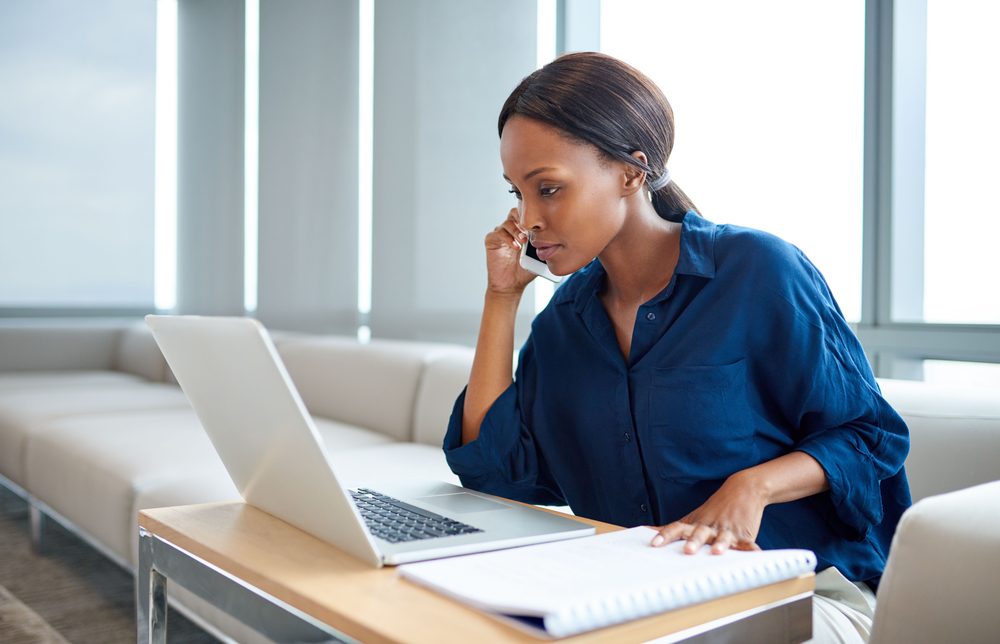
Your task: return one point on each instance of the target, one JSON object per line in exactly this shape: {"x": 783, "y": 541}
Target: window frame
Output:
{"x": 892, "y": 265}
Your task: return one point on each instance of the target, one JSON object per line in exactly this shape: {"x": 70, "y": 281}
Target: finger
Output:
{"x": 514, "y": 216}
{"x": 500, "y": 236}
{"x": 672, "y": 532}
{"x": 743, "y": 544}
{"x": 701, "y": 535}
{"x": 515, "y": 231}
{"x": 723, "y": 542}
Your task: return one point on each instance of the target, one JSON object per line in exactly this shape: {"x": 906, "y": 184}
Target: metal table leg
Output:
{"x": 150, "y": 595}
{"x": 160, "y": 560}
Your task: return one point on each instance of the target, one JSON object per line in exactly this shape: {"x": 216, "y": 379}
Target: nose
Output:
{"x": 527, "y": 216}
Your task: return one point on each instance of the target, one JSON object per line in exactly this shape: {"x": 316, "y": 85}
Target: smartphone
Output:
{"x": 531, "y": 263}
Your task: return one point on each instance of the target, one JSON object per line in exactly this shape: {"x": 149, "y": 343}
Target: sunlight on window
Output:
{"x": 768, "y": 102}
{"x": 251, "y": 111}
{"x": 165, "y": 182}
{"x": 366, "y": 115}
{"x": 961, "y": 215}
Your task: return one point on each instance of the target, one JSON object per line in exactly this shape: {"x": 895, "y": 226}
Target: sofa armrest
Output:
{"x": 941, "y": 582}
{"x": 138, "y": 354}
{"x": 444, "y": 377}
{"x": 367, "y": 385}
{"x": 954, "y": 434}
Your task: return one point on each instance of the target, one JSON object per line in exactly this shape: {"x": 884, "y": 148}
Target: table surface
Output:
{"x": 377, "y": 605}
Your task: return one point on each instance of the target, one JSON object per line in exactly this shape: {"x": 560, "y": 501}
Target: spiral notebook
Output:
{"x": 569, "y": 587}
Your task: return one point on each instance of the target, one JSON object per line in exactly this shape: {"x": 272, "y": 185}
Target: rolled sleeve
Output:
{"x": 498, "y": 432}
{"x": 838, "y": 414}
{"x": 504, "y": 459}
{"x": 853, "y": 478}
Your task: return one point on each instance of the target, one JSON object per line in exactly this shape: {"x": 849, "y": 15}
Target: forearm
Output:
{"x": 493, "y": 365}
{"x": 793, "y": 476}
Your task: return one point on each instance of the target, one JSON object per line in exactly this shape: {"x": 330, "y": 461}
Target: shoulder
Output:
{"x": 757, "y": 250}
{"x": 764, "y": 258}
{"x": 776, "y": 270}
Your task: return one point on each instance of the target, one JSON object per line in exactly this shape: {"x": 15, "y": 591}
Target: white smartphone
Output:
{"x": 531, "y": 263}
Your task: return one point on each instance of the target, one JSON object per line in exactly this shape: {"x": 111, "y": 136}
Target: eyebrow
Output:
{"x": 532, "y": 173}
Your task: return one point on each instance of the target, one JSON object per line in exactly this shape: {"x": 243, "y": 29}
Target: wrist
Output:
{"x": 755, "y": 483}
{"x": 504, "y": 296}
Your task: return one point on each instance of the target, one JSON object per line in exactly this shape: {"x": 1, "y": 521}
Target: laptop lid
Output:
{"x": 231, "y": 372}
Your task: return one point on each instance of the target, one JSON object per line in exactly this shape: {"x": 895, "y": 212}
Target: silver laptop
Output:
{"x": 232, "y": 374}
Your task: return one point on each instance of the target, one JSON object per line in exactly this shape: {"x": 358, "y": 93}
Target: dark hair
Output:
{"x": 609, "y": 104}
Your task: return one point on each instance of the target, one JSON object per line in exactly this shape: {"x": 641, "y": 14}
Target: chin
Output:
{"x": 563, "y": 268}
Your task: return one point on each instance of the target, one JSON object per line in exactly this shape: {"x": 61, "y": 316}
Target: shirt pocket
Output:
{"x": 701, "y": 425}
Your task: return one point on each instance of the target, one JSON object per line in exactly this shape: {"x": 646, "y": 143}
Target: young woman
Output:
{"x": 694, "y": 376}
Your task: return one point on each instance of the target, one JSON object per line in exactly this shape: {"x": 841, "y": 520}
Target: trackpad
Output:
{"x": 463, "y": 502}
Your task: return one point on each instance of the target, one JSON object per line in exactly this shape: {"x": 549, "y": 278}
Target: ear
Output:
{"x": 635, "y": 178}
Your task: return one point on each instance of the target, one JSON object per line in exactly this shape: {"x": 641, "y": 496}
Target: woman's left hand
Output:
{"x": 730, "y": 518}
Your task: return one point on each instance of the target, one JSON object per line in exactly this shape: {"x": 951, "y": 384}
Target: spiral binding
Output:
{"x": 675, "y": 594}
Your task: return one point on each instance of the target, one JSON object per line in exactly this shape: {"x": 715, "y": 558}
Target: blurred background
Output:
{"x": 332, "y": 165}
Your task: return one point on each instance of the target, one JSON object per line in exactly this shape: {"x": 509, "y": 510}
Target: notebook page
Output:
{"x": 554, "y": 577}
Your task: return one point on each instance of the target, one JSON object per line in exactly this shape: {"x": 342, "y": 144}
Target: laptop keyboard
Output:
{"x": 391, "y": 519}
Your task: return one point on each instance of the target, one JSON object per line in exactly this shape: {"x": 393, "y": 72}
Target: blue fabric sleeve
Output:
{"x": 833, "y": 401}
{"x": 504, "y": 460}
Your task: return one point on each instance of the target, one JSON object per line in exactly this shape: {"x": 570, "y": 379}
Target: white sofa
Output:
{"x": 93, "y": 428}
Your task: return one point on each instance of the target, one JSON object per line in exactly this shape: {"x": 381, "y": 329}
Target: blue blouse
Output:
{"x": 743, "y": 357}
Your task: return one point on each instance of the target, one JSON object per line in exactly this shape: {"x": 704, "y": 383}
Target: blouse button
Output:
{"x": 627, "y": 437}
{"x": 643, "y": 507}
{"x": 651, "y": 316}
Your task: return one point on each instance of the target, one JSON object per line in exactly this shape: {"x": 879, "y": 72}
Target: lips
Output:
{"x": 545, "y": 251}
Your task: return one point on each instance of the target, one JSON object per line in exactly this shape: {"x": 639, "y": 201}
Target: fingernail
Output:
{"x": 658, "y": 540}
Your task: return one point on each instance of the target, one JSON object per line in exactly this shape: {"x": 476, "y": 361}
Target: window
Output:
{"x": 961, "y": 209}
{"x": 974, "y": 374}
{"x": 768, "y": 102}
{"x": 76, "y": 153}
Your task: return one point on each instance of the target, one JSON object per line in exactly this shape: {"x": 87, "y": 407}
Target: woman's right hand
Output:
{"x": 503, "y": 250}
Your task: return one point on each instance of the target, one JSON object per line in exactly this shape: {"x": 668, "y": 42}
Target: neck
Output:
{"x": 641, "y": 258}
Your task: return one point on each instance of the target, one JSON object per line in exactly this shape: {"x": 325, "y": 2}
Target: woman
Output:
{"x": 696, "y": 377}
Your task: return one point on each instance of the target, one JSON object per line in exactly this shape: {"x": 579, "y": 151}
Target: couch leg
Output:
{"x": 36, "y": 520}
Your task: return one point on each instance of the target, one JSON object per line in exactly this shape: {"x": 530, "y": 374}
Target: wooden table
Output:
{"x": 291, "y": 586}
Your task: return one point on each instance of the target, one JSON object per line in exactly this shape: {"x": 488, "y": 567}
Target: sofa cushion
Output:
{"x": 138, "y": 354}
{"x": 954, "y": 434}
{"x": 444, "y": 378}
{"x": 88, "y": 468}
{"x": 338, "y": 436}
{"x": 23, "y": 410}
{"x": 368, "y": 385}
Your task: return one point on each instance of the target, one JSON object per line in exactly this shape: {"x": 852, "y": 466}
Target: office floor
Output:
{"x": 76, "y": 590}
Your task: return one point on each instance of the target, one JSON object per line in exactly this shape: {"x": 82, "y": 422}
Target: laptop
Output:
{"x": 235, "y": 380}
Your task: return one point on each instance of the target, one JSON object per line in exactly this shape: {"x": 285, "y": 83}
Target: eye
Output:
{"x": 515, "y": 192}
{"x": 548, "y": 192}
